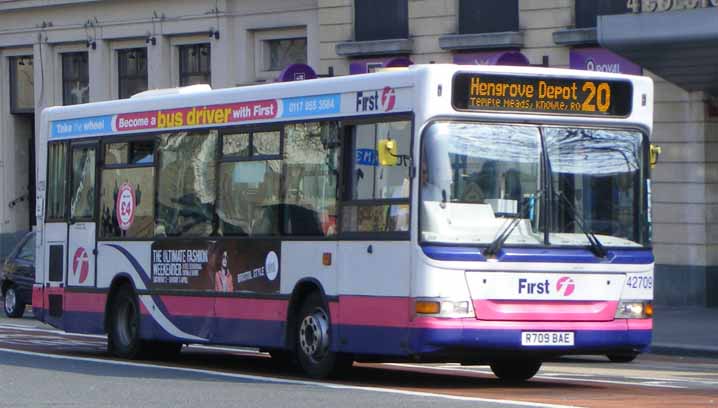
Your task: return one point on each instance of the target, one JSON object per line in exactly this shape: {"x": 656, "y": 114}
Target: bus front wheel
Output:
{"x": 123, "y": 338}
{"x": 622, "y": 357}
{"x": 515, "y": 370}
{"x": 313, "y": 340}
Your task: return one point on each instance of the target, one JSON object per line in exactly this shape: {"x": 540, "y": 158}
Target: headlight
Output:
{"x": 634, "y": 309}
{"x": 443, "y": 307}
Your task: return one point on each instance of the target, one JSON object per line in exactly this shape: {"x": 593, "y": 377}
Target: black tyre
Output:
{"x": 515, "y": 370}
{"x": 282, "y": 358}
{"x": 12, "y": 304}
{"x": 622, "y": 357}
{"x": 312, "y": 336}
{"x": 123, "y": 339}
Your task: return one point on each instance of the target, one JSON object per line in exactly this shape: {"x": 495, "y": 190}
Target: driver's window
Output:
{"x": 378, "y": 199}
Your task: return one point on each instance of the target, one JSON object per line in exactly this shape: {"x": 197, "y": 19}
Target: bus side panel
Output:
{"x": 374, "y": 302}
{"x": 54, "y": 272}
{"x": 316, "y": 262}
{"x": 172, "y": 318}
{"x": 84, "y": 312}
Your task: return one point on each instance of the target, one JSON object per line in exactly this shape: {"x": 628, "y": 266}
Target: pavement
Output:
{"x": 688, "y": 331}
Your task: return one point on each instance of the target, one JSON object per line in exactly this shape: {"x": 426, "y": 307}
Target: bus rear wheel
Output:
{"x": 313, "y": 341}
{"x": 515, "y": 370}
{"x": 123, "y": 338}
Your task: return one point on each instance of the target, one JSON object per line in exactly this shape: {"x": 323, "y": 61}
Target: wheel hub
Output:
{"x": 10, "y": 300}
{"x": 314, "y": 335}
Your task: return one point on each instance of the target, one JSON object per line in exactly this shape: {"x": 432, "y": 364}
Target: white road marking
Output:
{"x": 655, "y": 382}
{"x": 283, "y": 380}
{"x": 553, "y": 376}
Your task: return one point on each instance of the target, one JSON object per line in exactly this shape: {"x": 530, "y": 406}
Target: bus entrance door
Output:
{"x": 81, "y": 244}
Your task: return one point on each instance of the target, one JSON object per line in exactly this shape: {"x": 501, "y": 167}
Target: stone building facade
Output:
{"x": 238, "y": 42}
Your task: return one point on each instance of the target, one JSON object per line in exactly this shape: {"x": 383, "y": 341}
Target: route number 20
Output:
{"x": 598, "y": 97}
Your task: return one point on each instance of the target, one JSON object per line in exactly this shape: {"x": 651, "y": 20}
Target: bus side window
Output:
{"x": 120, "y": 173}
{"x": 186, "y": 185}
{"x": 311, "y": 174}
{"x": 248, "y": 200}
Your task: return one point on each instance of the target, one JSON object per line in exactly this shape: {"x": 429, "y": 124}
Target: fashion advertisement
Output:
{"x": 220, "y": 266}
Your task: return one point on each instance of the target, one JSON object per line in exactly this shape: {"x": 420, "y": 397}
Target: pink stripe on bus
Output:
{"x": 189, "y": 305}
{"x": 374, "y": 311}
{"x": 85, "y": 302}
{"x": 37, "y": 297}
{"x": 640, "y": 324}
{"x": 473, "y": 324}
{"x": 251, "y": 309}
{"x": 586, "y": 311}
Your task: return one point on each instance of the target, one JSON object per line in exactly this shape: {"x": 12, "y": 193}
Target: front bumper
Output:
{"x": 471, "y": 336}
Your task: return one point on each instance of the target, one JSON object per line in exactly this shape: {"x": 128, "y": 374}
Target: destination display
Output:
{"x": 486, "y": 92}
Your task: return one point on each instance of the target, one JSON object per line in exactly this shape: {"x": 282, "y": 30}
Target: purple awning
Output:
{"x": 297, "y": 72}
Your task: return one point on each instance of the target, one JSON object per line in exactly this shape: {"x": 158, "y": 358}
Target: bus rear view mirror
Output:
{"x": 653, "y": 154}
{"x": 388, "y": 152}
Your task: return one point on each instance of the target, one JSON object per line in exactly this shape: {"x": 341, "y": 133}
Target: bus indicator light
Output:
{"x": 427, "y": 307}
{"x": 327, "y": 258}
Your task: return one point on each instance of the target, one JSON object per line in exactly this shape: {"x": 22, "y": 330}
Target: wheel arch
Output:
{"x": 302, "y": 289}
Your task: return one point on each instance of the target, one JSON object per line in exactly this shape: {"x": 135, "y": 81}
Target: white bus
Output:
{"x": 472, "y": 214}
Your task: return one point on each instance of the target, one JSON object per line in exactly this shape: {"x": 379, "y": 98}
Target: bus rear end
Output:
{"x": 534, "y": 221}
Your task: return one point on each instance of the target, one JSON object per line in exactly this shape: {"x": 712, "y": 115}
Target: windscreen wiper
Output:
{"x": 498, "y": 242}
{"x": 596, "y": 246}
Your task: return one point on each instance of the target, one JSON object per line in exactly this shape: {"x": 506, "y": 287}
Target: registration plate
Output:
{"x": 547, "y": 338}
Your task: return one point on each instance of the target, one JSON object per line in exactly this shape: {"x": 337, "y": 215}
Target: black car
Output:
{"x": 17, "y": 276}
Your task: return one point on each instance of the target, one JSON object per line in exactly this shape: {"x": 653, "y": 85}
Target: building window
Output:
{"x": 22, "y": 98}
{"x": 75, "y": 78}
{"x": 276, "y": 49}
{"x": 588, "y": 10}
{"x": 194, "y": 64}
{"x": 381, "y": 19}
{"x": 282, "y": 52}
{"x": 488, "y": 16}
{"x": 131, "y": 71}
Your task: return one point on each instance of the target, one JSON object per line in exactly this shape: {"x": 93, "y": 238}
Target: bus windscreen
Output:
{"x": 538, "y": 94}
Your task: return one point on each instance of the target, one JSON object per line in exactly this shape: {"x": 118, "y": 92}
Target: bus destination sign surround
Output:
{"x": 538, "y": 94}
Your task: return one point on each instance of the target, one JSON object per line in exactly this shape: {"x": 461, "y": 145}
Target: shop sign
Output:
{"x": 657, "y": 6}
{"x": 602, "y": 60}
